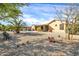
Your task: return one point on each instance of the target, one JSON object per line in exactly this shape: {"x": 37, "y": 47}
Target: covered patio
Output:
{"x": 42, "y": 27}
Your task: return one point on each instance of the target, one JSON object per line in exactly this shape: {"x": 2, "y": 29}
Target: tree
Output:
{"x": 2, "y": 26}
{"x": 17, "y": 24}
{"x": 10, "y": 10}
{"x": 69, "y": 13}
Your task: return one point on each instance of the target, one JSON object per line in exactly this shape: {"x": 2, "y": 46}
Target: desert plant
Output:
{"x": 17, "y": 24}
{"x": 38, "y": 28}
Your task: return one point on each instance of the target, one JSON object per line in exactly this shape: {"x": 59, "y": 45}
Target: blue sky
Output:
{"x": 37, "y": 13}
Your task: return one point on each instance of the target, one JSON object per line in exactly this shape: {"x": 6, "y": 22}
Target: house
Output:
{"x": 40, "y": 27}
{"x": 27, "y": 28}
{"x": 54, "y": 25}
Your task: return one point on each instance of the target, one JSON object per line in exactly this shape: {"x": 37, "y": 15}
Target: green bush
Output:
{"x": 72, "y": 29}
{"x": 38, "y": 28}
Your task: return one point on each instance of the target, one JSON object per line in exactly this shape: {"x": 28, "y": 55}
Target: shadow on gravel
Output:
{"x": 31, "y": 34}
{"x": 38, "y": 48}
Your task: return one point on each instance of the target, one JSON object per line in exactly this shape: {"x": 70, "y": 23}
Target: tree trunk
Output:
{"x": 17, "y": 31}
{"x": 69, "y": 36}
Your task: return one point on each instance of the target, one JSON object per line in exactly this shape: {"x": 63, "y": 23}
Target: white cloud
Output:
{"x": 27, "y": 15}
{"x": 47, "y": 21}
{"x": 31, "y": 21}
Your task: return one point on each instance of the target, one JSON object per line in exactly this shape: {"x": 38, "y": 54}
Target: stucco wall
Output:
{"x": 33, "y": 27}
{"x": 56, "y": 25}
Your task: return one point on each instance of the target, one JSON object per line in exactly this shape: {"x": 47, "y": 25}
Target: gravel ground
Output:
{"x": 37, "y": 45}
{"x": 44, "y": 48}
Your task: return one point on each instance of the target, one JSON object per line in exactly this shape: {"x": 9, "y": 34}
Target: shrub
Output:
{"x": 38, "y": 28}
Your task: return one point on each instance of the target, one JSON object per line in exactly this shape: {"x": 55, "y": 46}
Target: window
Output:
{"x": 62, "y": 26}
{"x": 55, "y": 24}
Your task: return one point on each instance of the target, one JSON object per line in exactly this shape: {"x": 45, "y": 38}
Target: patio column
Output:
{"x": 44, "y": 28}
